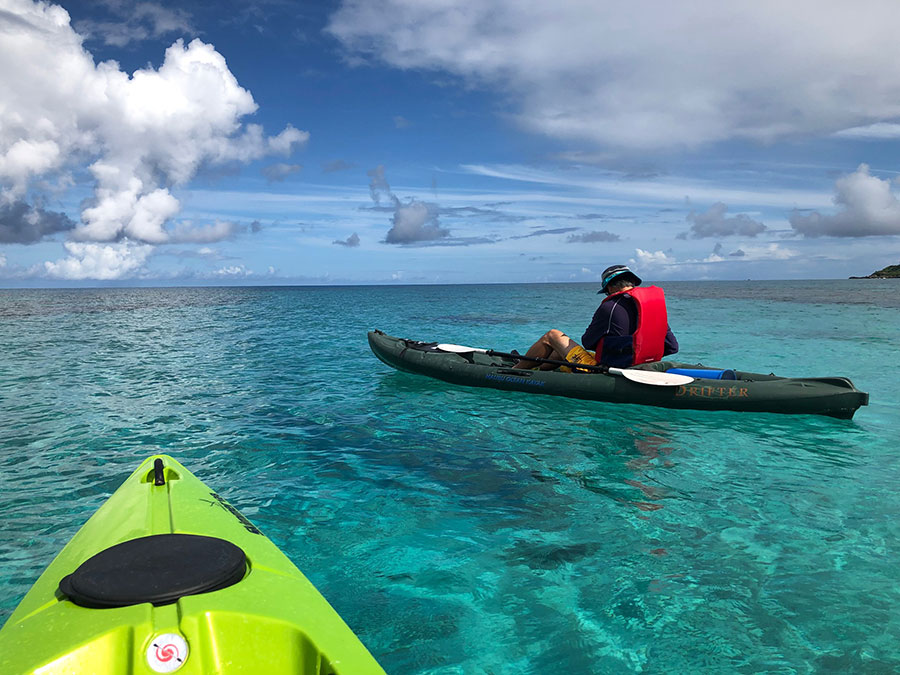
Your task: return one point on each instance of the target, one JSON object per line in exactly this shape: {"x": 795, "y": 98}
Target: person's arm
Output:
{"x": 609, "y": 319}
{"x": 671, "y": 345}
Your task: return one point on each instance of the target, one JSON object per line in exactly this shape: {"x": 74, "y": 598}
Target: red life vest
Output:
{"x": 649, "y": 338}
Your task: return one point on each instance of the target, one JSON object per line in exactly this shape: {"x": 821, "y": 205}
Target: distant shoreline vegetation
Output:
{"x": 889, "y": 272}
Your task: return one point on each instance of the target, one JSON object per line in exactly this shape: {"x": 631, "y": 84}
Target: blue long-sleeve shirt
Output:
{"x": 619, "y": 317}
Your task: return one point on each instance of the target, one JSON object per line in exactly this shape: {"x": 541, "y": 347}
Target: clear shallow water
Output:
{"x": 462, "y": 530}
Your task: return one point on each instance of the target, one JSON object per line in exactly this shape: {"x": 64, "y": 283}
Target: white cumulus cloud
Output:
{"x": 714, "y": 223}
{"x": 234, "y": 271}
{"x": 650, "y": 74}
{"x": 651, "y": 258}
{"x": 415, "y": 222}
{"x": 99, "y": 261}
{"x": 867, "y": 206}
{"x": 139, "y": 134}
{"x": 350, "y": 242}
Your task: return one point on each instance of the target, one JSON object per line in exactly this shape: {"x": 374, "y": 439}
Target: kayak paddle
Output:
{"x": 641, "y": 376}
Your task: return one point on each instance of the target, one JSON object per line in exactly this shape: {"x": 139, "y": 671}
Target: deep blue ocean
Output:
{"x": 464, "y": 530}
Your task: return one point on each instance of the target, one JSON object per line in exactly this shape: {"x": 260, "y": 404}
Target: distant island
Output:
{"x": 889, "y": 272}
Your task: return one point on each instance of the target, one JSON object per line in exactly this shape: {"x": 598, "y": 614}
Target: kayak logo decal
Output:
{"x": 713, "y": 392}
{"x": 250, "y": 527}
{"x": 167, "y": 653}
{"x": 514, "y": 380}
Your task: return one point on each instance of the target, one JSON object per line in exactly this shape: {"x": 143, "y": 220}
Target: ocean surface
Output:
{"x": 464, "y": 530}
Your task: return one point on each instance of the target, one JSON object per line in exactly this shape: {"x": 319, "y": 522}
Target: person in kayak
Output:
{"x": 629, "y": 327}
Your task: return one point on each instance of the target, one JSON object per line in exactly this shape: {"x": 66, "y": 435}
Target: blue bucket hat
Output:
{"x": 616, "y": 271}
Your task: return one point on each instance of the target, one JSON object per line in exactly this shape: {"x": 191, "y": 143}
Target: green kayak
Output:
{"x": 650, "y": 384}
{"x": 169, "y": 577}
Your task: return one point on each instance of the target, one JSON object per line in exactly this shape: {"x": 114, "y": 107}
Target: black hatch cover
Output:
{"x": 158, "y": 569}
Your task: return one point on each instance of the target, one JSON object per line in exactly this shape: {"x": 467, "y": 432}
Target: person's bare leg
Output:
{"x": 554, "y": 344}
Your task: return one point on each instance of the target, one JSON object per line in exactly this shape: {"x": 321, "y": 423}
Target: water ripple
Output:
{"x": 464, "y": 530}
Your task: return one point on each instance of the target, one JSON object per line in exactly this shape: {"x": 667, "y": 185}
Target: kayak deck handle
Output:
{"x": 159, "y": 476}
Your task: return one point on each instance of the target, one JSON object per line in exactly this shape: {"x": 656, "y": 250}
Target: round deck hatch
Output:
{"x": 158, "y": 569}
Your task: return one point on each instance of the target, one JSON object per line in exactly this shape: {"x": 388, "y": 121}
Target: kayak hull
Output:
{"x": 273, "y": 620}
{"x": 749, "y": 392}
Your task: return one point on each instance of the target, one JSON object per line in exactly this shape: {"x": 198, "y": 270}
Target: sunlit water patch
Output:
{"x": 466, "y": 530}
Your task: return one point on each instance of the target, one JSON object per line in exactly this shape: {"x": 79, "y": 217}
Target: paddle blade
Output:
{"x": 459, "y": 349}
{"x": 653, "y": 377}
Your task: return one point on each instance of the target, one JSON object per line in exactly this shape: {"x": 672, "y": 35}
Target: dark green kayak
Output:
{"x": 746, "y": 392}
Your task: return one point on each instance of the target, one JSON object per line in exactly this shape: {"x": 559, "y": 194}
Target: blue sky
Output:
{"x": 452, "y": 141}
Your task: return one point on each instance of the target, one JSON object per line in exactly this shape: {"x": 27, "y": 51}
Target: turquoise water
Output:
{"x": 472, "y": 531}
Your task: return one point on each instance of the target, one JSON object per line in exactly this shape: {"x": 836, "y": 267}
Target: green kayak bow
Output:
{"x": 169, "y": 577}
